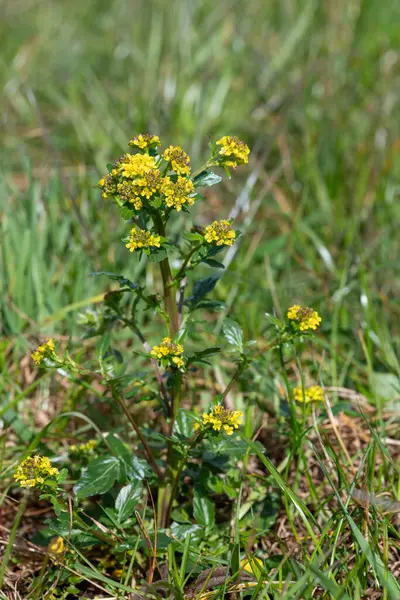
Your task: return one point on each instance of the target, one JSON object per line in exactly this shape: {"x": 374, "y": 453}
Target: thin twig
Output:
{"x": 117, "y": 396}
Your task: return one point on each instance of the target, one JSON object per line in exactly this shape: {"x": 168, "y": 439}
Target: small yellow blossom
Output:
{"x": 56, "y": 546}
{"x": 306, "y": 318}
{"x": 46, "y": 350}
{"x": 108, "y": 185}
{"x": 136, "y": 165}
{"x": 314, "y": 393}
{"x": 169, "y": 351}
{"x": 177, "y": 193}
{"x": 139, "y": 238}
{"x": 144, "y": 141}
{"x": 223, "y": 419}
{"x": 233, "y": 151}
{"x": 34, "y": 471}
{"x": 179, "y": 160}
{"x": 220, "y": 233}
{"x": 85, "y": 448}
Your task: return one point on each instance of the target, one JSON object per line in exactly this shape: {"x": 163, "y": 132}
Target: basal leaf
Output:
{"x": 203, "y": 508}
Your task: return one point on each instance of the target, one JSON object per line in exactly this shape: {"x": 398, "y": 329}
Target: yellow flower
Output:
{"x": 169, "y": 352}
{"x": 220, "y": 233}
{"x": 108, "y": 185}
{"x": 314, "y": 393}
{"x": 34, "y": 471}
{"x": 85, "y": 448}
{"x": 135, "y": 165}
{"x": 144, "y": 141}
{"x": 46, "y": 350}
{"x": 223, "y": 419}
{"x": 305, "y": 318}
{"x": 179, "y": 160}
{"x": 233, "y": 151}
{"x": 139, "y": 238}
{"x": 177, "y": 192}
{"x": 56, "y": 546}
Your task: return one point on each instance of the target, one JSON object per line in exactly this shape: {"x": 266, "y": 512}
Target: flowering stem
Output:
{"x": 13, "y": 533}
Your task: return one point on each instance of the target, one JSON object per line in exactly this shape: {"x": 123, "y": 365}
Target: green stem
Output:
{"x": 181, "y": 272}
{"x": 11, "y": 539}
{"x": 168, "y": 283}
{"x": 116, "y": 396}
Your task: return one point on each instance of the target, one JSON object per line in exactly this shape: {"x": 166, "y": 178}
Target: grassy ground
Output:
{"x": 313, "y": 88}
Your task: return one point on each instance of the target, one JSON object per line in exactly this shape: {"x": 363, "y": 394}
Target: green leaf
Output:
{"x": 193, "y": 237}
{"x": 98, "y": 477}
{"x": 157, "y": 255}
{"x": 183, "y": 426}
{"x": 127, "y": 499}
{"x": 126, "y": 213}
{"x": 213, "y": 263}
{"x": 233, "y": 333}
{"x": 203, "y": 508}
{"x": 122, "y": 280}
{"x": 206, "y": 179}
{"x": 200, "y": 289}
{"x": 274, "y": 320}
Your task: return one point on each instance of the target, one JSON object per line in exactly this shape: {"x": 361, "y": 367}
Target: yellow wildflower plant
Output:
{"x": 144, "y": 141}
{"x": 314, "y": 393}
{"x": 304, "y": 318}
{"x": 169, "y": 352}
{"x": 141, "y": 239}
{"x": 178, "y": 159}
{"x": 222, "y": 419}
{"x": 46, "y": 350}
{"x": 177, "y": 193}
{"x": 35, "y": 471}
{"x": 233, "y": 152}
{"x": 220, "y": 233}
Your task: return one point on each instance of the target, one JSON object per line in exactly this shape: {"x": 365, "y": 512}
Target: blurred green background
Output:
{"x": 311, "y": 86}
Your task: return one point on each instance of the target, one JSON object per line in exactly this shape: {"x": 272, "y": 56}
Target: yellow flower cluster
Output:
{"x": 34, "y": 471}
{"x": 233, "y": 151}
{"x": 314, "y": 393}
{"x": 108, "y": 185}
{"x": 177, "y": 193}
{"x": 85, "y": 448}
{"x": 178, "y": 159}
{"x": 169, "y": 351}
{"x": 223, "y": 419}
{"x": 220, "y": 233}
{"x": 46, "y": 350}
{"x": 305, "y": 318}
{"x": 136, "y": 165}
{"x": 139, "y": 238}
{"x": 142, "y": 187}
{"x": 145, "y": 141}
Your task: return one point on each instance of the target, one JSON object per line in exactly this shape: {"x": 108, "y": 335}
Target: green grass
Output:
{"x": 313, "y": 88}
